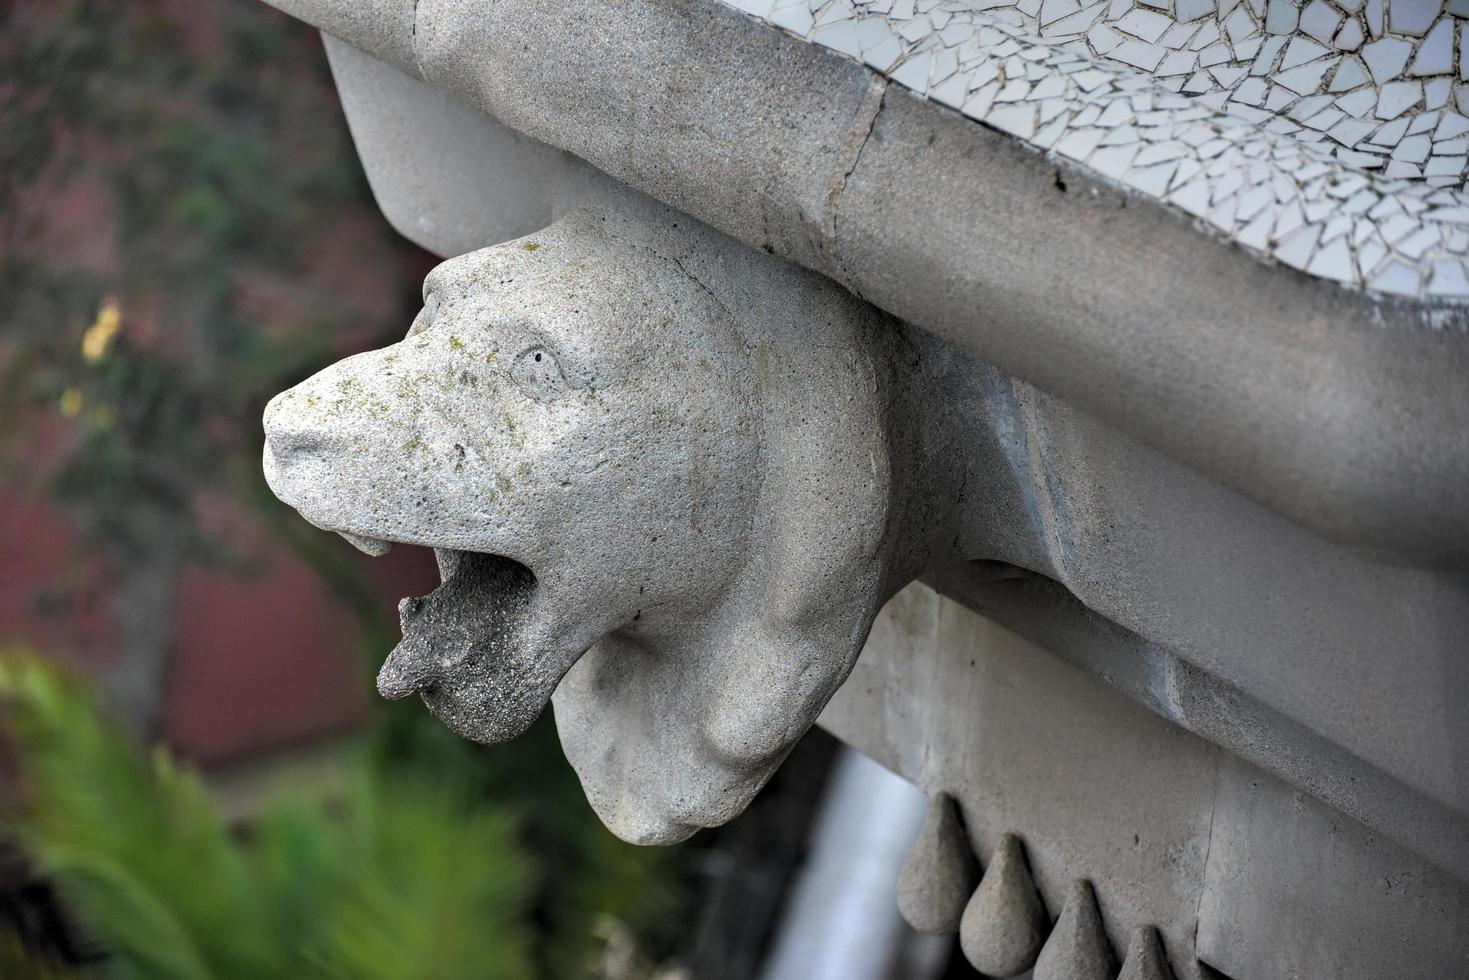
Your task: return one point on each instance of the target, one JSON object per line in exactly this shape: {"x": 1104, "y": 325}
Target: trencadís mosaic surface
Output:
{"x": 1331, "y": 136}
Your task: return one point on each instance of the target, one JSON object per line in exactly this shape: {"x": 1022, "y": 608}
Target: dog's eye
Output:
{"x": 535, "y": 369}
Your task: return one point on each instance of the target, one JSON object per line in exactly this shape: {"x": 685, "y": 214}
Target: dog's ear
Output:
{"x": 823, "y": 564}
{"x": 680, "y": 732}
{"x": 676, "y": 723}
{"x": 828, "y": 483}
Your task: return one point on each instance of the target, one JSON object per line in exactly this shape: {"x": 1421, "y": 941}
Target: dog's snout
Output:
{"x": 284, "y": 442}
{"x": 286, "y": 433}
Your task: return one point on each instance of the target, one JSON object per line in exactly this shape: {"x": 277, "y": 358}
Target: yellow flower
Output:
{"x": 98, "y": 337}
{"x": 71, "y": 402}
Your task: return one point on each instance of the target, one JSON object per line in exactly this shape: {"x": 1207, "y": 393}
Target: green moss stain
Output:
{"x": 456, "y": 343}
{"x": 531, "y": 246}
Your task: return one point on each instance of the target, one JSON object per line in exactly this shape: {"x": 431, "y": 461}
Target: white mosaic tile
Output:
{"x": 1331, "y": 136}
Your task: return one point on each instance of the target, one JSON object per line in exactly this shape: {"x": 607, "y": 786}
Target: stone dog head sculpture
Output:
{"x": 655, "y": 468}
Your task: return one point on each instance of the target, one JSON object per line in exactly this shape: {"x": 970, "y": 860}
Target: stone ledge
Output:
{"x": 1345, "y": 413}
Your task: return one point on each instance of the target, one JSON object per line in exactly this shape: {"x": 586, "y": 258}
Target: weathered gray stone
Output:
{"x": 1332, "y": 668}
{"x": 1307, "y": 638}
{"x": 1172, "y": 831}
{"x": 482, "y": 184}
{"x": 1146, "y": 959}
{"x": 1004, "y": 923}
{"x": 765, "y": 153}
{"x": 1077, "y": 948}
{"x": 938, "y": 877}
{"x": 1291, "y": 882}
{"x": 633, "y": 459}
{"x": 1050, "y": 752}
{"x": 944, "y": 427}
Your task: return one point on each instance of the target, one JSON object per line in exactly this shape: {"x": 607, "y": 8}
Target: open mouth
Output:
{"x": 468, "y": 649}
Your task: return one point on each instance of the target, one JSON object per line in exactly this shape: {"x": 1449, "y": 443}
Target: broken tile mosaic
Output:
{"x": 1326, "y": 135}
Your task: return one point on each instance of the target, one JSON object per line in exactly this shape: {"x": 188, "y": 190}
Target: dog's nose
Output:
{"x": 286, "y": 433}
{"x": 287, "y": 442}
{"x": 284, "y": 443}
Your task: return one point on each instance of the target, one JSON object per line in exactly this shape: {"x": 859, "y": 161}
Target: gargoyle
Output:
{"x": 659, "y": 472}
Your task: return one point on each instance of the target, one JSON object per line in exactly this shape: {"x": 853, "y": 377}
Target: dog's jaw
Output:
{"x": 466, "y": 650}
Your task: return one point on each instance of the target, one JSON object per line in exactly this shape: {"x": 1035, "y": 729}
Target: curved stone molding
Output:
{"x": 683, "y": 456}
{"x": 1330, "y": 139}
{"x": 671, "y": 480}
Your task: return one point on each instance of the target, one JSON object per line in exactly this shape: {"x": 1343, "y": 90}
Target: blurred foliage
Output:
{"x": 18, "y": 961}
{"x": 404, "y": 878}
{"x": 589, "y": 875}
{"x": 211, "y": 179}
{"x": 202, "y": 275}
{"x": 413, "y": 873}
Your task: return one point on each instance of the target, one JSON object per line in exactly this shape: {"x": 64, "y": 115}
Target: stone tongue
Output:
{"x": 476, "y": 612}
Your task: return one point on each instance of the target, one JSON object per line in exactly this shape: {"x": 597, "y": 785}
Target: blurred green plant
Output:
{"x": 18, "y": 961}
{"x": 416, "y": 872}
{"x": 403, "y": 878}
{"x": 590, "y": 880}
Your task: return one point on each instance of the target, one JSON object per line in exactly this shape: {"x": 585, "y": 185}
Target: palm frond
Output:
{"x": 440, "y": 890}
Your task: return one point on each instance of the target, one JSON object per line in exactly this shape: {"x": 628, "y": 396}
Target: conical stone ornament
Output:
{"x": 1146, "y": 959}
{"x": 1077, "y": 948}
{"x": 938, "y": 876}
{"x": 1004, "y": 923}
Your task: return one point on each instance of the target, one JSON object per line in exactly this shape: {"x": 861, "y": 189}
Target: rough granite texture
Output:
{"x": 1077, "y": 948}
{"x": 1004, "y": 923}
{"x": 1145, "y": 957}
{"x": 939, "y": 874}
{"x": 1253, "y": 876}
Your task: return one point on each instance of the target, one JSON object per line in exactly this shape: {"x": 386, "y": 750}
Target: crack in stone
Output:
{"x": 1208, "y": 844}
{"x": 849, "y": 154}
{"x": 701, "y": 284}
